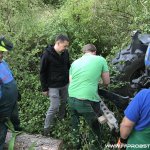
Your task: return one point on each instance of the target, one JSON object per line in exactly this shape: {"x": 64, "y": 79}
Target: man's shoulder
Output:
{"x": 75, "y": 61}
{"x": 141, "y": 97}
{"x": 95, "y": 58}
{"x": 3, "y": 63}
{"x": 144, "y": 92}
{"x": 66, "y": 53}
{"x": 48, "y": 50}
{"x": 4, "y": 67}
{"x": 101, "y": 58}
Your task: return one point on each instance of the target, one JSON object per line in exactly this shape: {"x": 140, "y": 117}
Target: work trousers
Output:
{"x": 90, "y": 111}
{"x": 7, "y": 105}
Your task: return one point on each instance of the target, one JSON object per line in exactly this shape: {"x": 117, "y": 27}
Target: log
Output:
{"x": 24, "y": 141}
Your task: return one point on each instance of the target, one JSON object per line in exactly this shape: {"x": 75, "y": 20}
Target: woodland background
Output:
{"x": 32, "y": 24}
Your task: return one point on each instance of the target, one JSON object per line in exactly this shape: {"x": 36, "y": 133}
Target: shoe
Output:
{"x": 61, "y": 116}
{"x": 46, "y": 132}
{"x": 18, "y": 128}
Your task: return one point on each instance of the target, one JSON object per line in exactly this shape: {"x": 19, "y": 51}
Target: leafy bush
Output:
{"x": 31, "y": 24}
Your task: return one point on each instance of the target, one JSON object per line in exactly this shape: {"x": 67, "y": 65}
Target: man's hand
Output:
{"x": 45, "y": 93}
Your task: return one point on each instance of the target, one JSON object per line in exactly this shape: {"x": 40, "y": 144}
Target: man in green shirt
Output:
{"x": 85, "y": 75}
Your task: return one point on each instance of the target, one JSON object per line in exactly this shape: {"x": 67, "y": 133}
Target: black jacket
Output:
{"x": 54, "y": 70}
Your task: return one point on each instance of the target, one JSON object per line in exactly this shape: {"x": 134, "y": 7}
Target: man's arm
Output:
{"x": 106, "y": 78}
{"x": 68, "y": 63}
{"x": 70, "y": 74}
{"x": 44, "y": 74}
{"x": 105, "y": 73}
{"x": 132, "y": 115}
{"x": 70, "y": 78}
{"x": 1, "y": 87}
{"x": 126, "y": 127}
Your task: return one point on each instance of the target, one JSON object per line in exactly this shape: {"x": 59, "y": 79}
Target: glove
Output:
{"x": 121, "y": 143}
{"x": 124, "y": 141}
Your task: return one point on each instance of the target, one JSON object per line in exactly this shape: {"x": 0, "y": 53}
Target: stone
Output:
{"x": 24, "y": 141}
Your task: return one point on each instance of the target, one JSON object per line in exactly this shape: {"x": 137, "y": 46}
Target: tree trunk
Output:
{"x": 38, "y": 142}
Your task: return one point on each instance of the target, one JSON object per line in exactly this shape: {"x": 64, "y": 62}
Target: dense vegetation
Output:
{"x": 31, "y": 24}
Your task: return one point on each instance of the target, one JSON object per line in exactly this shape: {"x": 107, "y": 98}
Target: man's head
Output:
{"x": 89, "y": 48}
{"x": 5, "y": 45}
{"x": 61, "y": 43}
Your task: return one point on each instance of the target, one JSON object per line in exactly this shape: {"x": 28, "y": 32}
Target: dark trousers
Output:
{"x": 3, "y": 128}
{"x": 15, "y": 117}
{"x": 7, "y": 105}
{"x": 90, "y": 111}
{"x": 3, "y": 132}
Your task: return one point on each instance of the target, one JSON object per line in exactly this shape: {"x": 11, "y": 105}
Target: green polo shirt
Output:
{"x": 85, "y": 75}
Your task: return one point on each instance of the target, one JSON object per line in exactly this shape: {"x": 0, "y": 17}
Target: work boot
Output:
{"x": 18, "y": 128}
{"x": 46, "y": 132}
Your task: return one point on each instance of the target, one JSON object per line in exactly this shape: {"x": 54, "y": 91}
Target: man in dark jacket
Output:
{"x": 54, "y": 77}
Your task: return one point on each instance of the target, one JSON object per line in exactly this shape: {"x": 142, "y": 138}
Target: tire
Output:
{"x": 130, "y": 66}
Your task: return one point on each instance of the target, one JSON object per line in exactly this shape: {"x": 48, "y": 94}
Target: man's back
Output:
{"x": 86, "y": 73}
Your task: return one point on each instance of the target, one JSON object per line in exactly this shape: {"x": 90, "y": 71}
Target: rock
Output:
{"x": 24, "y": 141}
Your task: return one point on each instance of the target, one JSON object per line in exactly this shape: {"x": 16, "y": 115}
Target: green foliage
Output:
{"x": 31, "y": 24}
{"x": 13, "y": 134}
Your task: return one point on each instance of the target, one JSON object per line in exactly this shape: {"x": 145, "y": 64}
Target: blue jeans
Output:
{"x": 58, "y": 99}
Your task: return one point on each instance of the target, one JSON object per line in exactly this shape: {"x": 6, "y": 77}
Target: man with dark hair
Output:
{"x": 85, "y": 74}
{"x": 8, "y": 92}
{"x": 62, "y": 38}
{"x": 54, "y": 77}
